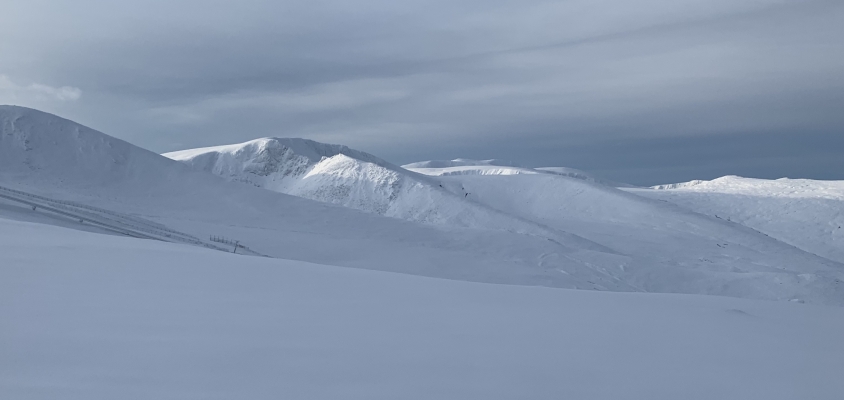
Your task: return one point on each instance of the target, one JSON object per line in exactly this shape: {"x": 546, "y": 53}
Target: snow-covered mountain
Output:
{"x": 806, "y": 213}
{"x": 525, "y": 229}
{"x": 96, "y": 316}
{"x": 339, "y": 175}
{"x": 323, "y": 172}
{"x": 63, "y": 163}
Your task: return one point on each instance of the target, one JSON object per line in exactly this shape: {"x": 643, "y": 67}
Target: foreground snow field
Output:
{"x": 90, "y": 316}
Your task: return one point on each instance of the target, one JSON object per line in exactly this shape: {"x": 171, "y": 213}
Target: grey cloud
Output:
{"x": 436, "y": 79}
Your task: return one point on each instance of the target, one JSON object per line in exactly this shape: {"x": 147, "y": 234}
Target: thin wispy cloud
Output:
{"x": 11, "y": 92}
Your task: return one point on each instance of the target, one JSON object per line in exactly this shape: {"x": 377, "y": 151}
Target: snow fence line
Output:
{"x": 151, "y": 230}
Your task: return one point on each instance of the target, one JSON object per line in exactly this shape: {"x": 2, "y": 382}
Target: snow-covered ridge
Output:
{"x": 680, "y": 185}
{"x": 473, "y": 170}
{"x": 783, "y": 187}
{"x": 339, "y": 175}
{"x": 464, "y": 166}
{"x": 460, "y": 162}
{"x": 267, "y": 156}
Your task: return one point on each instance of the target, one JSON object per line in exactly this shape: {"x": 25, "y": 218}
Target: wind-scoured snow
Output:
{"x": 806, "y": 213}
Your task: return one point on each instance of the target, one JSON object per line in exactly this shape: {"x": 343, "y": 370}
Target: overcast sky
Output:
{"x": 647, "y": 92}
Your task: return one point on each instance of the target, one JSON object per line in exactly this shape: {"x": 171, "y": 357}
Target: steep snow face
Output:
{"x": 802, "y": 212}
{"x": 266, "y": 160}
{"x": 271, "y": 163}
{"x": 339, "y": 175}
{"x": 373, "y": 188}
{"x": 463, "y": 166}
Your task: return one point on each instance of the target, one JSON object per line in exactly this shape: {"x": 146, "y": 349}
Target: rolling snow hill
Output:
{"x": 806, "y": 213}
{"x": 660, "y": 239}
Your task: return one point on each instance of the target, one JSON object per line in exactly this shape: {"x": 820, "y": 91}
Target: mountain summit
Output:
{"x": 339, "y": 175}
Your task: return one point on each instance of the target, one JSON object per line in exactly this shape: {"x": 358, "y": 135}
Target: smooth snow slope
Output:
{"x": 93, "y": 317}
{"x": 806, "y": 213}
{"x": 684, "y": 249}
{"x": 60, "y": 153}
{"x": 339, "y": 175}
